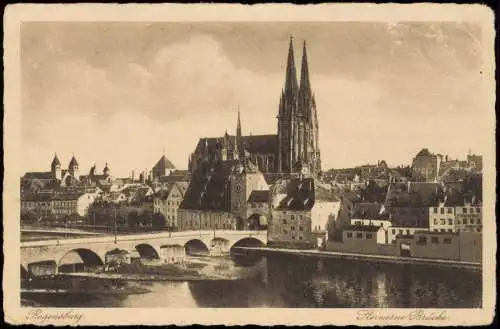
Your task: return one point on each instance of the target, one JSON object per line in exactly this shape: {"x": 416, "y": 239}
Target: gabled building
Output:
{"x": 303, "y": 213}
{"x": 162, "y": 168}
{"x": 167, "y": 202}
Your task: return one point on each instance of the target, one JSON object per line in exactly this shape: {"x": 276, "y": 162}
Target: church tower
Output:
{"x": 298, "y": 142}
{"x": 287, "y": 134}
{"x": 55, "y": 168}
{"x": 309, "y": 145}
{"x": 73, "y": 168}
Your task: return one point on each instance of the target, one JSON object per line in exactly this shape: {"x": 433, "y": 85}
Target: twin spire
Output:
{"x": 291, "y": 86}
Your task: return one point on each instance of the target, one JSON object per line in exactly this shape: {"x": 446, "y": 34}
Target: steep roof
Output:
{"x": 73, "y": 162}
{"x": 210, "y": 191}
{"x": 259, "y": 196}
{"x": 367, "y": 210}
{"x": 55, "y": 161}
{"x": 424, "y": 152}
{"x": 363, "y": 228}
{"x": 164, "y": 163}
{"x": 418, "y": 194}
{"x": 302, "y": 194}
{"x": 38, "y": 175}
{"x": 254, "y": 144}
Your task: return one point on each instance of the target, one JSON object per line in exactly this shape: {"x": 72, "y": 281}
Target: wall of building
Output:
{"x": 393, "y": 231}
{"x": 206, "y": 220}
{"x": 290, "y": 227}
{"x": 324, "y": 214}
{"x": 468, "y": 218}
{"x": 365, "y": 247}
{"x": 462, "y": 246}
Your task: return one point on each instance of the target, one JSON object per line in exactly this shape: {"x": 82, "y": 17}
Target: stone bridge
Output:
{"x": 93, "y": 250}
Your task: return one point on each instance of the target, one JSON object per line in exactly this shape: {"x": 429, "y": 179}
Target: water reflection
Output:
{"x": 289, "y": 281}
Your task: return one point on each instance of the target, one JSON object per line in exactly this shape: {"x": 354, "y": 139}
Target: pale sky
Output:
{"x": 123, "y": 92}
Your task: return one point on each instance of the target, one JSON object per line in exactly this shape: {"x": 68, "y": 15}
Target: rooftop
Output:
{"x": 363, "y": 228}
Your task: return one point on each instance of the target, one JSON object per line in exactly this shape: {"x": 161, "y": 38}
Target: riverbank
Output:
{"x": 78, "y": 285}
{"x": 367, "y": 257}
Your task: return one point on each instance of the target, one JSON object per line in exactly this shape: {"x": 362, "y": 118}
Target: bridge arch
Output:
{"x": 247, "y": 242}
{"x": 196, "y": 246}
{"x": 147, "y": 251}
{"x": 88, "y": 258}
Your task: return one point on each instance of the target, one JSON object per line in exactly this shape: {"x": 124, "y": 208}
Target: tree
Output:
{"x": 133, "y": 218}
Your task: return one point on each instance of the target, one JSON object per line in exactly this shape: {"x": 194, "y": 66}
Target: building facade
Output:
{"x": 167, "y": 202}
{"x": 303, "y": 215}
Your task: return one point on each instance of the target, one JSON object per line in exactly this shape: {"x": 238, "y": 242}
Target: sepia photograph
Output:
{"x": 164, "y": 162}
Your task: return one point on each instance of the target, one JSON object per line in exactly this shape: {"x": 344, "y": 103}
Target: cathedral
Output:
{"x": 294, "y": 149}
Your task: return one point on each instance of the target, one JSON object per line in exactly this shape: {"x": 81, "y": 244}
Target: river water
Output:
{"x": 298, "y": 282}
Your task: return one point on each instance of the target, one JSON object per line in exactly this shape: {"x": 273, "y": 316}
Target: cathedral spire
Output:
{"x": 291, "y": 73}
{"x": 239, "y": 140}
{"x": 305, "y": 85}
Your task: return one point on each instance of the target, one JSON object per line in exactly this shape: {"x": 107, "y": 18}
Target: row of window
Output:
{"x": 470, "y": 229}
{"x": 359, "y": 235}
{"x": 293, "y": 228}
{"x": 292, "y": 234}
{"x": 295, "y": 217}
{"x": 401, "y": 232}
{"x": 457, "y": 221}
{"x": 450, "y": 210}
{"x": 434, "y": 240}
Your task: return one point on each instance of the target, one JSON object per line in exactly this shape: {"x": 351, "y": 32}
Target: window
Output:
{"x": 478, "y": 229}
{"x": 369, "y": 236}
{"x": 434, "y": 239}
{"x": 292, "y": 217}
{"x": 293, "y": 237}
{"x": 359, "y": 235}
{"x": 301, "y": 228}
{"x": 292, "y": 228}
{"x": 400, "y": 232}
{"x": 300, "y": 237}
{"x": 285, "y": 231}
{"x": 479, "y": 221}
{"x": 450, "y": 221}
{"x": 441, "y": 210}
{"x": 435, "y": 210}
{"x": 301, "y": 217}
{"x": 471, "y": 221}
{"x": 442, "y": 221}
{"x": 435, "y": 221}
{"x": 284, "y": 220}
{"x": 447, "y": 240}
{"x": 442, "y": 230}
{"x": 393, "y": 231}
{"x": 458, "y": 222}
{"x": 422, "y": 240}
{"x": 450, "y": 210}
{"x": 464, "y": 210}
{"x": 478, "y": 210}
{"x": 450, "y": 230}
{"x": 349, "y": 235}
